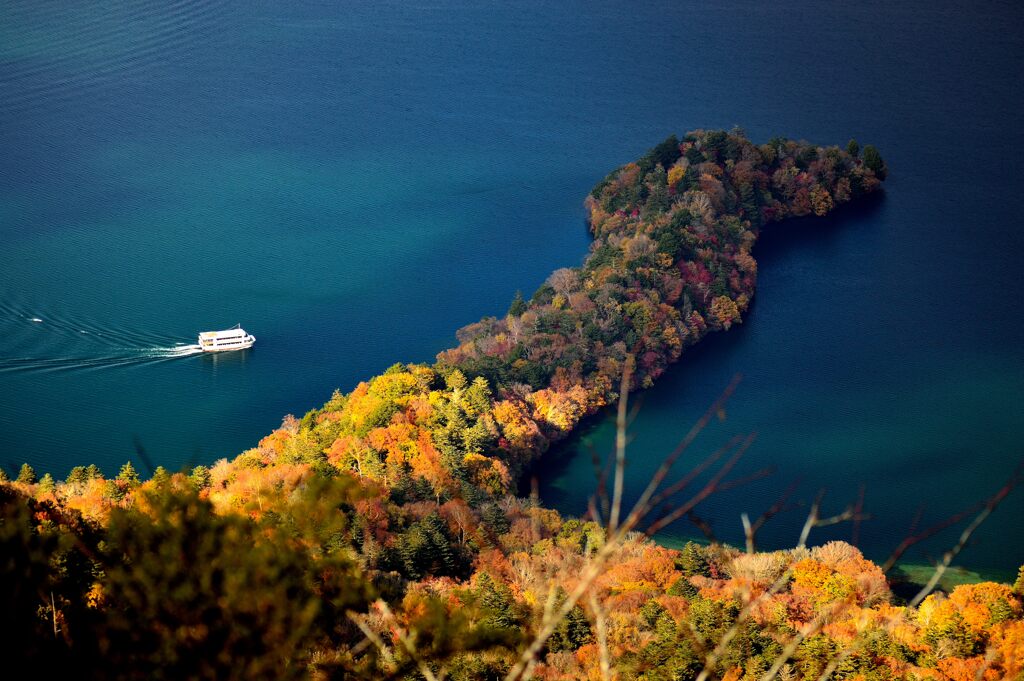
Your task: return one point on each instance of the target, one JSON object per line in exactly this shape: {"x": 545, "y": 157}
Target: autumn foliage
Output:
{"x": 379, "y": 536}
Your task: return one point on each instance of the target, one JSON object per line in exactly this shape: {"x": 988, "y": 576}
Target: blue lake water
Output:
{"x": 353, "y": 181}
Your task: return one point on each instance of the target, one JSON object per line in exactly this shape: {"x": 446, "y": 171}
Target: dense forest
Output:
{"x": 380, "y": 536}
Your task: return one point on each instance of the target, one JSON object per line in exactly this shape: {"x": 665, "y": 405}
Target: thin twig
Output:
{"x": 912, "y": 539}
{"x": 712, "y": 658}
{"x": 750, "y": 529}
{"x": 596, "y": 562}
{"x": 810, "y": 629}
{"x": 601, "y": 625}
{"x": 858, "y": 510}
{"x": 947, "y": 558}
{"x": 53, "y": 611}
{"x": 375, "y": 638}
{"x": 684, "y": 444}
{"x": 704, "y": 526}
{"x": 407, "y": 643}
{"x": 694, "y": 472}
{"x": 812, "y": 518}
{"x": 710, "y": 488}
{"x": 598, "y": 502}
{"x": 620, "y": 446}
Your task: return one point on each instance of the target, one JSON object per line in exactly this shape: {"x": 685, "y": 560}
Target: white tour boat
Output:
{"x": 231, "y": 339}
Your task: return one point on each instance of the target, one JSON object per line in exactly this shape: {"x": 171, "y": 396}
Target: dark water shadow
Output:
{"x": 779, "y": 239}
{"x": 776, "y": 241}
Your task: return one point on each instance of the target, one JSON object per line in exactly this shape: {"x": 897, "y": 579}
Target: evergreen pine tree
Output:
{"x": 78, "y": 476}
{"x": 27, "y": 475}
{"x": 200, "y": 477}
{"x": 518, "y": 305}
{"x": 47, "y": 485}
{"x": 495, "y": 520}
{"x": 692, "y": 561}
{"x": 478, "y": 396}
{"x": 127, "y": 476}
{"x": 161, "y": 478}
{"x": 442, "y": 553}
{"x": 873, "y": 161}
{"x": 574, "y": 629}
{"x": 497, "y": 602}
{"x": 413, "y": 549}
{"x": 650, "y": 612}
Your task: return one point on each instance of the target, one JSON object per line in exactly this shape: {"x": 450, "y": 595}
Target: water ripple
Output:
{"x": 103, "y": 48}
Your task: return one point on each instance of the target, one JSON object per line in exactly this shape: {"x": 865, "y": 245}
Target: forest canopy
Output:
{"x": 380, "y": 536}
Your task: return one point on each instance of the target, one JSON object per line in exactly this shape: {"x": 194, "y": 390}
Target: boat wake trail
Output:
{"x": 41, "y": 341}
{"x": 139, "y": 357}
{"x": 179, "y": 350}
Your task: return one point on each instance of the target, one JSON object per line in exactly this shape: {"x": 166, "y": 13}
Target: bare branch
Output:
{"x": 620, "y": 445}
{"x": 712, "y": 658}
{"x": 372, "y": 636}
{"x": 684, "y": 444}
{"x": 710, "y": 488}
{"x": 814, "y": 518}
{"x": 810, "y": 629}
{"x": 858, "y": 510}
{"x": 601, "y": 625}
{"x": 694, "y": 472}
{"x": 947, "y": 558}
{"x": 750, "y": 529}
{"x": 912, "y": 539}
{"x": 407, "y": 643}
{"x": 704, "y": 527}
{"x": 746, "y": 479}
{"x": 618, "y": 533}
{"x": 599, "y": 499}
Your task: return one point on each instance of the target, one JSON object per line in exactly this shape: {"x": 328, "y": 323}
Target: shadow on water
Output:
{"x": 226, "y": 359}
{"x": 777, "y": 241}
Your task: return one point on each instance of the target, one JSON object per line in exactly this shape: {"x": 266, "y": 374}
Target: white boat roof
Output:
{"x": 227, "y": 333}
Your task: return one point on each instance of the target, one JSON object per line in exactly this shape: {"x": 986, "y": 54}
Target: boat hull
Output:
{"x": 247, "y": 343}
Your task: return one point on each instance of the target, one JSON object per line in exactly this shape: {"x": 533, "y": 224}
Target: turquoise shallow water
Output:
{"x": 353, "y": 181}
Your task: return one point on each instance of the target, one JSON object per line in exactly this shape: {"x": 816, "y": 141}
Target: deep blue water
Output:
{"x": 353, "y": 181}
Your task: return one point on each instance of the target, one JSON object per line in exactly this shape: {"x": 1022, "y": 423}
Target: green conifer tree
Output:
{"x": 518, "y": 305}
{"x": 495, "y": 519}
{"x": 873, "y": 161}
{"x": 497, "y": 603}
{"x": 200, "y": 477}
{"x": 692, "y": 561}
{"x": 47, "y": 484}
{"x": 127, "y": 476}
{"x": 78, "y": 476}
{"x": 161, "y": 478}
{"x": 27, "y": 475}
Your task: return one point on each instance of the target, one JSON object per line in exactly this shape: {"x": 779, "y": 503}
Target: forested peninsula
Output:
{"x": 380, "y": 535}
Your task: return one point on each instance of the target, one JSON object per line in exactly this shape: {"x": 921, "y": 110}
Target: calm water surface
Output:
{"x": 353, "y": 181}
